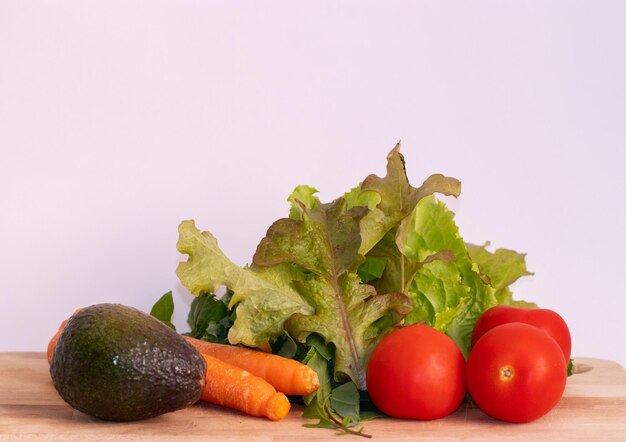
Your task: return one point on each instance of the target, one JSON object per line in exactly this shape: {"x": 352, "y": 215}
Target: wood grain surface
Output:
{"x": 592, "y": 409}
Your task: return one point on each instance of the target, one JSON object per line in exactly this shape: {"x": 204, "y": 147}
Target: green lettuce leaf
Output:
{"x": 450, "y": 294}
{"x": 265, "y": 297}
{"x": 452, "y": 297}
{"x": 357, "y": 197}
{"x": 438, "y": 295}
{"x": 302, "y": 196}
{"x": 500, "y": 269}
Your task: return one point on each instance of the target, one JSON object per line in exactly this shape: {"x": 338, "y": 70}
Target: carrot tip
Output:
{"x": 307, "y": 381}
{"x": 277, "y": 407}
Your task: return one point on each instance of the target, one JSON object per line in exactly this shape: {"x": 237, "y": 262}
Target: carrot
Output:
{"x": 286, "y": 375}
{"x": 233, "y": 387}
{"x": 55, "y": 338}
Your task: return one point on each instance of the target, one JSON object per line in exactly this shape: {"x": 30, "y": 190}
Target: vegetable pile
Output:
{"x": 369, "y": 305}
{"x": 331, "y": 280}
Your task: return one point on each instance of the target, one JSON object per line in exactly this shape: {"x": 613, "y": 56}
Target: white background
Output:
{"x": 120, "y": 119}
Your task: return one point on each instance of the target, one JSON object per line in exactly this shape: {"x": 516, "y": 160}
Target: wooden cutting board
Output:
{"x": 593, "y": 408}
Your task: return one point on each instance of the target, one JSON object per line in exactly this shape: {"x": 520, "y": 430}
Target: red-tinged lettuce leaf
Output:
{"x": 344, "y": 314}
{"x": 397, "y": 198}
{"x": 266, "y": 290}
{"x": 380, "y": 226}
{"x": 325, "y": 242}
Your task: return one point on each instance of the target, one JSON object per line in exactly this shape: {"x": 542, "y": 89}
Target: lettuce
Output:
{"x": 329, "y": 281}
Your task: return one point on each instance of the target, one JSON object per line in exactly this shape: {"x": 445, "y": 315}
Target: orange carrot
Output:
{"x": 55, "y": 338}
{"x": 233, "y": 387}
{"x": 286, "y": 375}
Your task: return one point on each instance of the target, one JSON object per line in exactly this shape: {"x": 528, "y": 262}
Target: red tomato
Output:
{"x": 416, "y": 372}
{"x": 516, "y": 372}
{"x": 547, "y": 320}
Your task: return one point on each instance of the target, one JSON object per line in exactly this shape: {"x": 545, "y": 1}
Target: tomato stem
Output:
{"x": 506, "y": 373}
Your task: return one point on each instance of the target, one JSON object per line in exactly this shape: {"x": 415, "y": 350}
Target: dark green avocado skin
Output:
{"x": 118, "y": 363}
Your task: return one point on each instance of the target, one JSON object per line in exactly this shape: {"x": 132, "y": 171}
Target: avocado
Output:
{"x": 118, "y": 363}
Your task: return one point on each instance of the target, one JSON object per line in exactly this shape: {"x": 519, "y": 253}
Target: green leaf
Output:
{"x": 358, "y": 197}
{"x": 427, "y": 232}
{"x": 373, "y": 268}
{"x": 208, "y": 318}
{"x": 500, "y": 269}
{"x": 326, "y": 243}
{"x": 345, "y": 400}
{"x": 288, "y": 348}
{"x": 163, "y": 309}
{"x": 430, "y": 229}
{"x": 325, "y": 350}
{"x": 438, "y": 295}
{"x": 302, "y": 196}
{"x": 317, "y": 402}
{"x": 265, "y": 297}
{"x": 400, "y": 269}
{"x": 330, "y": 399}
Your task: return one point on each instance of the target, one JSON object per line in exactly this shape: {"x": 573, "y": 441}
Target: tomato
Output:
{"x": 516, "y": 372}
{"x": 416, "y": 372}
{"x": 547, "y": 320}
